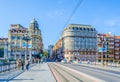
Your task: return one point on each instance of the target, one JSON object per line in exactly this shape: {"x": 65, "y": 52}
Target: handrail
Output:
{"x": 7, "y": 67}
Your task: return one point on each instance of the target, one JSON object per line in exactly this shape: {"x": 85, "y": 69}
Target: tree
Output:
{"x": 45, "y": 54}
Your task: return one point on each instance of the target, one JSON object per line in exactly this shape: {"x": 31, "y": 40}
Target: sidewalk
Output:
{"x": 38, "y": 73}
{"x": 6, "y": 76}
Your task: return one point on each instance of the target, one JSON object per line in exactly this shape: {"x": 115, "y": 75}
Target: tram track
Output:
{"x": 63, "y": 75}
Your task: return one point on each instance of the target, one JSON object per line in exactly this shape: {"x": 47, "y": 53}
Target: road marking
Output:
{"x": 84, "y": 74}
{"x": 117, "y": 75}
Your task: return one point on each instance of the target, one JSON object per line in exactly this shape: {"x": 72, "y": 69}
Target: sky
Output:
{"x": 53, "y": 16}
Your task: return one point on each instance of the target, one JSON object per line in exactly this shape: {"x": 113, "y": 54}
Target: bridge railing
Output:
{"x": 7, "y": 67}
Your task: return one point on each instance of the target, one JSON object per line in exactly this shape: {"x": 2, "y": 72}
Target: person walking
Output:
{"x": 22, "y": 64}
{"x": 18, "y": 63}
{"x": 27, "y": 64}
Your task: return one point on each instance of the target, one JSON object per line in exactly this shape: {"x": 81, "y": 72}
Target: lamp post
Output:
{"x": 26, "y": 38}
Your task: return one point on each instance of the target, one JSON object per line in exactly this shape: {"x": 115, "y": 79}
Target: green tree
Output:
{"x": 45, "y": 54}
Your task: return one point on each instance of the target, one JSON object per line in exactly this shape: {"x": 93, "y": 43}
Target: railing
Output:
{"x": 7, "y": 67}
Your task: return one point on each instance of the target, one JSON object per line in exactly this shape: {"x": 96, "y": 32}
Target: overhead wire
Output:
{"x": 70, "y": 17}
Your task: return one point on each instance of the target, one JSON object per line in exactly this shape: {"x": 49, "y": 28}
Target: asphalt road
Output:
{"x": 106, "y": 75}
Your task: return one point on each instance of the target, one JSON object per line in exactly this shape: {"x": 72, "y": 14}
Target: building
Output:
{"x": 116, "y": 50}
{"x": 111, "y": 48}
{"x": 50, "y": 50}
{"x": 58, "y": 50}
{"x": 25, "y": 41}
{"x": 78, "y": 41}
{"x": 3, "y": 47}
{"x": 105, "y": 48}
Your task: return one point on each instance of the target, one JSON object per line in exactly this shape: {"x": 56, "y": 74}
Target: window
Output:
{"x": 91, "y": 29}
{"x": 87, "y": 29}
{"x": 13, "y": 37}
{"x": 77, "y": 28}
{"x": 84, "y": 29}
{"x": 73, "y": 28}
{"x": 18, "y": 44}
{"x": 81, "y": 29}
{"x": 18, "y": 38}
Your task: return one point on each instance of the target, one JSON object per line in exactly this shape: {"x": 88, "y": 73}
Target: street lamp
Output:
{"x": 26, "y": 38}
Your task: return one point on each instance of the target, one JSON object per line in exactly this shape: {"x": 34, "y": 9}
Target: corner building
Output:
{"x": 18, "y": 47}
{"x": 79, "y": 42}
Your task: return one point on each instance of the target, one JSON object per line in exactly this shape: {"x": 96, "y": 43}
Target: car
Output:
{"x": 64, "y": 61}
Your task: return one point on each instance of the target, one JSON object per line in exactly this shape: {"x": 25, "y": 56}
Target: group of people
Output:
{"x": 38, "y": 60}
{"x": 22, "y": 63}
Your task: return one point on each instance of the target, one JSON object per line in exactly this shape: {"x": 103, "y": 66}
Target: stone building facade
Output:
{"x": 18, "y": 47}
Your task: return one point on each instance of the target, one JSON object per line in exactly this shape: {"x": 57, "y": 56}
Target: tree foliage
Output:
{"x": 45, "y": 54}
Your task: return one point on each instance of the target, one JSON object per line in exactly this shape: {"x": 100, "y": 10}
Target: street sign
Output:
{"x": 102, "y": 49}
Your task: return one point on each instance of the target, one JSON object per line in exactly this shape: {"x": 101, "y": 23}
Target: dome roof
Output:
{"x": 34, "y": 24}
{"x": 33, "y": 21}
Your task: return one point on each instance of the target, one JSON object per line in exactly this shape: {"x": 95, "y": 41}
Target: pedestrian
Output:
{"x": 22, "y": 64}
{"x": 18, "y": 63}
{"x": 27, "y": 64}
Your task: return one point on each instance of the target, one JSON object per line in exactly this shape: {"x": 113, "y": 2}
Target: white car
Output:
{"x": 64, "y": 61}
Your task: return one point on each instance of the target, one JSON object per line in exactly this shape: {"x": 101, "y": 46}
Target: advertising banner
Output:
{"x": 24, "y": 45}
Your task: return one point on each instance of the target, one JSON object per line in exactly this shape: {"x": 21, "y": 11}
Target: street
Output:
{"x": 106, "y": 75}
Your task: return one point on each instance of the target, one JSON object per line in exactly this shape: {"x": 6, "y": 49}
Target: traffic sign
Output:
{"x": 102, "y": 49}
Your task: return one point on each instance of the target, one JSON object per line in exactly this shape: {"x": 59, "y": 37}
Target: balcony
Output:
{"x": 116, "y": 52}
{"x": 117, "y": 41}
{"x": 111, "y": 42}
{"x": 111, "y": 55}
{"x": 116, "y": 44}
{"x": 117, "y": 57}
{"x": 117, "y": 48}
{"x": 111, "y": 47}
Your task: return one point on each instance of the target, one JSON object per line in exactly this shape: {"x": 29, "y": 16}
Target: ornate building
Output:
{"x": 78, "y": 42}
{"x": 25, "y": 41}
{"x": 57, "y": 50}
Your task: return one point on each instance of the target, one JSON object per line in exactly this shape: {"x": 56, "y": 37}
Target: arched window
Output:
{"x": 73, "y": 28}
{"x": 91, "y": 29}
{"x": 84, "y": 29}
{"x": 88, "y": 29}
{"x": 81, "y": 29}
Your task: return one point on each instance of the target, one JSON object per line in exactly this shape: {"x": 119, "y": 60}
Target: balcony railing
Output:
{"x": 111, "y": 47}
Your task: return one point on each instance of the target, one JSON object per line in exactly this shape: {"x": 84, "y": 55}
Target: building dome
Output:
{"x": 33, "y": 21}
{"x": 34, "y": 25}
